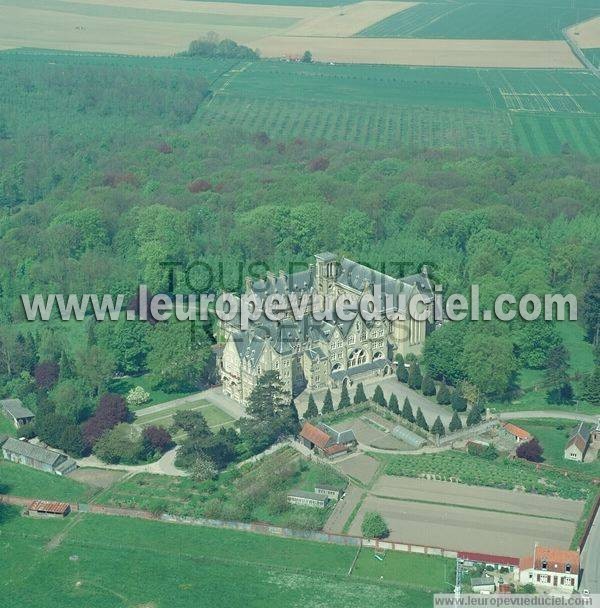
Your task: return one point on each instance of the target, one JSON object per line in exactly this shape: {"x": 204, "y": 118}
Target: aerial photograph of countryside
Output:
{"x": 299, "y": 303}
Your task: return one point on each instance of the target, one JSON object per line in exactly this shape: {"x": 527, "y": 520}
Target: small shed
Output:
{"x": 45, "y": 508}
{"x": 307, "y": 499}
{"x": 331, "y": 491}
{"x": 17, "y": 412}
{"x": 483, "y": 584}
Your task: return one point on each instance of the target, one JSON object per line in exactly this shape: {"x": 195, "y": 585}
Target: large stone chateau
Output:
{"x": 311, "y": 354}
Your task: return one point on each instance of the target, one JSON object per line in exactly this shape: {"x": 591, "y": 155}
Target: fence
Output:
{"x": 590, "y": 523}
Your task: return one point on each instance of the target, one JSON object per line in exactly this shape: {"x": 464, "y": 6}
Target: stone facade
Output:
{"x": 311, "y": 354}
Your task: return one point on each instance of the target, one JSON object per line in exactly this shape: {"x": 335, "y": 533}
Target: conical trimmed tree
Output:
{"x": 402, "y": 373}
{"x": 443, "y": 395}
{"x": 393, "y": 404}
{"x": 359, "y": 395}
{"x": 407, "y": 411}
{"x": 379, "y": 397}
{"x": 311, "y": 411}
{"x": 414, "y": 376}
{"x": 327, "y": 403}
{"x": 458, "y": 402}
{"x": 420, "y": 420}
{"x": 344, "y": 397}
{"x": 438, "y": 427}
{"x": 455, "y": 423}
{"x": 475, "y": 415}
{"x": 428, "y": 386}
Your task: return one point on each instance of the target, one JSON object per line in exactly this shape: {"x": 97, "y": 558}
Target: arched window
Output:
{"x": 357, "y": 357}
{"x": 336, "y": 367}
{"x": 377, "y": 355}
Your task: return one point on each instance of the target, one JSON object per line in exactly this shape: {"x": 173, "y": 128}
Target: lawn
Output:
{"x": 256, "y": 492}
{"x": 215, "y": 417}
{"x": 20, "y": 480}
{"x": 7, "y": 427}
{"x": 125, "y": 384}
{"x": 428, "y": 571}
{"x": 501, "y": 473}
{"x": 553, "y": 435}
{"x": 109, "y": 562}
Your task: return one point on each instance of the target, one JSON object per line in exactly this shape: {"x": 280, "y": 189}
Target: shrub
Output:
{"x": 374, "y": 526}
{"x": 458, "y": 402}
{"x": 428, "y": 386}
{"x": 443, "y": 395}
{"x": 530, "y": 450}
{"x": 157, "y": 439}
{"x": 137, "y": 396}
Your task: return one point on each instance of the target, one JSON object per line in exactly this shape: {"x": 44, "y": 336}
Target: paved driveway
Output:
{"x": 590, "y": 559}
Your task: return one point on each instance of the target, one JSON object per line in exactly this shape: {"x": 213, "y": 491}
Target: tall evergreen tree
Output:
{"x": 428, "y": 386}
{"x": 311, "y": 411}
{"x": 458, "y": 402}
{"x": 327, "y": 403}
{"x": 438, "y": 427}
{"x": 455, "y": 423}
{"x": 344, "y": 397}
{"x": 591, "y": 387}
{"x": 407, "y": 411}
{"x": 267, "y": 398}
{"x": 414, "y": 376}
{"x": 420, "y": 420}
{"x": 443, "y": 395}
{"x": 393, "y": 404}
{"x": 379, "y": 397}
{"x": 359, "y": 395}
{"x": 402, "y": 373}
{"x": 475, "y": 415}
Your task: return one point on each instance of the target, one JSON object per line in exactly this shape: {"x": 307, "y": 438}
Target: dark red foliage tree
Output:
{"x": 136, "y": 305}
{"x": 530, "y": 450}
{"x": 111, "y": 410}
{"x": 319, "y": 164}
{"x": 261, "y": 138}
{"x": 199, "y": 185}
{"x": 165, "y": 148}
{"x": 46, "y": 374}
{"x": 158, "y": 439}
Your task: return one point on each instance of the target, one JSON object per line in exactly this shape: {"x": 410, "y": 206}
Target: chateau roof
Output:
{"x": 340, "y": 374}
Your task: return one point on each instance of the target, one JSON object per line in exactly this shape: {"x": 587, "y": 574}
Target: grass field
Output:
{"x": 553, "y": 435}
{"x": 24, "y": 481}
{"x": 215, "y": 417}
{"x": 479, "y": 472}
{"x": 134, "y": 563}
{"x": 479, "y": 21}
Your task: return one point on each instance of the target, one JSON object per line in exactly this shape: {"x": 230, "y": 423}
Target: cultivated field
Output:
{"x": 468, "y": 529}
{"x": 441, "y": 34}
{"x": 108, "y": 562}
{"x": 479, "y": 21}
{"x": 587, "y": 33}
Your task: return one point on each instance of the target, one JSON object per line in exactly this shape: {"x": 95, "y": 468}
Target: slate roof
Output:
{"x": 16, "y": 409}
{"x": 29, "y": 450}
{"x": 338, "y": 437}
{"x": 481, "y": 581}
{"x": 580, "y": 437}
{"x": 309, "y": 495}
{"x": 340, "y": 374}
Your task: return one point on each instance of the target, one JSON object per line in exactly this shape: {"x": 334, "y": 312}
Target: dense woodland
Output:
{"x": 104, "y": 176}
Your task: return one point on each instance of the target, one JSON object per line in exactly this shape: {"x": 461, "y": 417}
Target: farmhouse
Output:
{"x": 37, "y": 457}
{"x": 516, "y": 432}
{"x": 326, "y": 440}
{"x": 314, "y": 354}
{"x": 307, "y": 499}
{"x": 44, "y": 508}
{"x": 578, "y": 443}
{"x": 550, "y": 569}
{"x": 17, "y": 412}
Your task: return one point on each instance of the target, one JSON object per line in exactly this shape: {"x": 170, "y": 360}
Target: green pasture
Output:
{"x": 113, "y": 562}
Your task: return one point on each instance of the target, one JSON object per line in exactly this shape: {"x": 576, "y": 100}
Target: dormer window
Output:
{"x": 567, "y": 567}
{"x": 544, "y": 564}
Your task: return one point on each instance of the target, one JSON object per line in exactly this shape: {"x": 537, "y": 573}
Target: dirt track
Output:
{"x": 479, "y": 497}
{"x": 401, "y": 51}
{"x": 465, "y": 529}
